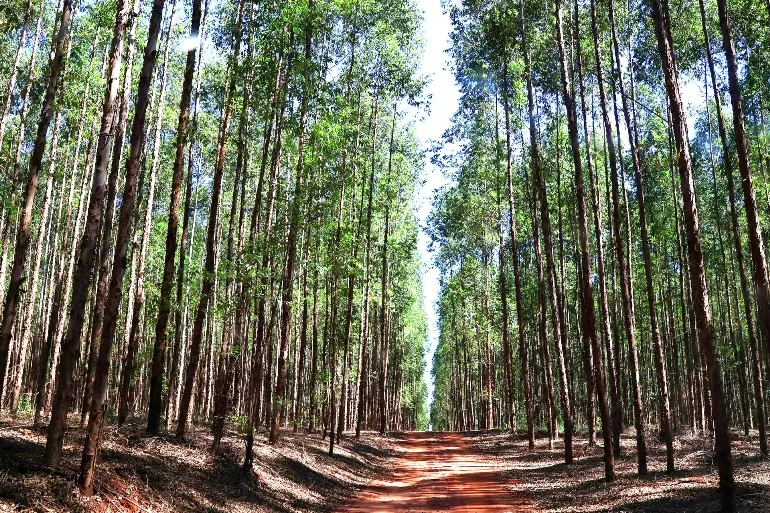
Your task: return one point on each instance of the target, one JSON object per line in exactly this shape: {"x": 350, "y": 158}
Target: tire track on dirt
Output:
{"x": 439, "y": 472}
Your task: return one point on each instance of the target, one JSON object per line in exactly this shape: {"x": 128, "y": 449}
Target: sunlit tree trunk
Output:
{"x": 588, "y": 312}
{"x": 10, "y": 306}
{"x": 164, "y": 308}
{"x": 660, "y": 369}
{"x": 291, "y": 244}
{"x": 208, "y": 277}
{"x": 113, "y": 300}
{"x": 697, "y": 273}
{"x": 754, "y": 227}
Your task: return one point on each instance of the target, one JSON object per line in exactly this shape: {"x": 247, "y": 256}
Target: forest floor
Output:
{"x": 484, "y": 472}
{"x": 138, "y": 472}
{"x": 551, "y": 486}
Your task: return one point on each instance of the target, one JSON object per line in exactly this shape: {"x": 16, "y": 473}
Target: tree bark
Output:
{"x": 513, "y": 236}
{"x": 208, "y": 275}
{"x": 181, "y": 305}
{"x": 754, "y": 227}
{"x": 164, "y": 307}
{"x": 588, "y": 312}
{"x": 695, "y": 255}
{"x": 287, "y": 297}
{"x": 621, "y": 255}
{"x": 660, "y": 369}
{"x": 113, "y": 300}
{"x": 57, "y": 66}
{"x": 737, "y": 243}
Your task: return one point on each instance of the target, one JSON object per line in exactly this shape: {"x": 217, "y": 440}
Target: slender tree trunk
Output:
{"x": 551, "y": 285}
{"x": 363, "y": 375}
{"x": 177, "y": 353}
{"x": 112, "y": 305}
{"x": 754, "y": 227}
{"x": 333, "y": 320}
{"x": 230, "y": 346}
{"x": 208, "y": 276}
{"x": 660, "y": 369}
{"x": 508, "y": 392}
{"x": 299, "y": 395}
{"x": 513, "y": 236}
{"x": 738, "y": 244}
{"x": 27, "y": 323}
{"x": 291, "y": 245}
{"x": 621, "y": 255}
{"x": 385, "y": 320}
{"x": 8, "y": 217}
{"x": 697, "y": 273}
{"x": 343, "y": 413}
{"x": 314, "y": 350}
{"x": 258, "y": 352}
{"x": 164, "y": 308}
{"x": 588, "y": 310}
{"x": 97, "y": 313}
{"x": 57, "y": 65}
{"x": 87, "y": 249}
{"x": 134, "y": 311}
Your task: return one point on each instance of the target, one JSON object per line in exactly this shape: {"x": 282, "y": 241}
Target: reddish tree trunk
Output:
{"x": 722, "y": 446}
{"x": 23, "y": 234}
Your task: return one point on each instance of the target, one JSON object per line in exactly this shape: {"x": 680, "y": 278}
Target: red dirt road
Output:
{"x": 439, "y": 472}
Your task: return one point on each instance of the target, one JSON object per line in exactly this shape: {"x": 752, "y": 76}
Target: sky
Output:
{"x": 444, "y": 99}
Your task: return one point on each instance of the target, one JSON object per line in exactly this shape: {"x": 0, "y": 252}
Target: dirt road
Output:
{"x": 439, "y": 472}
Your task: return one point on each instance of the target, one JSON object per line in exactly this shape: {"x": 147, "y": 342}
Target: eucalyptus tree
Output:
{"x": 164, "y": 310}
{"x": 56, "y": 65}
{"x": 722, "y": 445}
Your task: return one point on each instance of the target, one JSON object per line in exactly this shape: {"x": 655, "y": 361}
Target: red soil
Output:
{"x": 439, "y": 472}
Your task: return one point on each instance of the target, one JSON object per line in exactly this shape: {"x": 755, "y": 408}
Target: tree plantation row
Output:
{"x": 602, "y": 244}
{"x": 208, "y": 216}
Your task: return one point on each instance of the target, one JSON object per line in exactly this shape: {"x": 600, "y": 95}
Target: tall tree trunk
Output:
{"x": 314, "y": 350}
{"x": 551, "y": 282}
{"x": 87, "y": 249}
{"x": 177, "y": 353}
{"x": 343, "y": 413}
{"x": 363, "y": 374}
{"x": 508, "y": 392}
{"x": 164, "y": 307}
{"x": 299, "y": 395}
{"x": 27, "y": 322}
{"x": 287, "y": 297}
{"x": 754, "y": 227}
{"x": 8, "y": 215}
{"x": 333, "y": 318}
{"x": 385, "y": 320}
{"x": 115, "y": 295}
{"x": 621, "y": 255}
{"x": 588, "y": 310}
{"x": 208, "y": 277}
{"x": 134, "y": 328}
{"x": 737, "y": 243}
{"x": 697, "y": 272}
{"x": 660, "y": 369}
{"x": 275, "y": 120}
{"x": 513, "y": 236}
{"x": 57, "y": 65}
{"x": 97, "y": 312}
